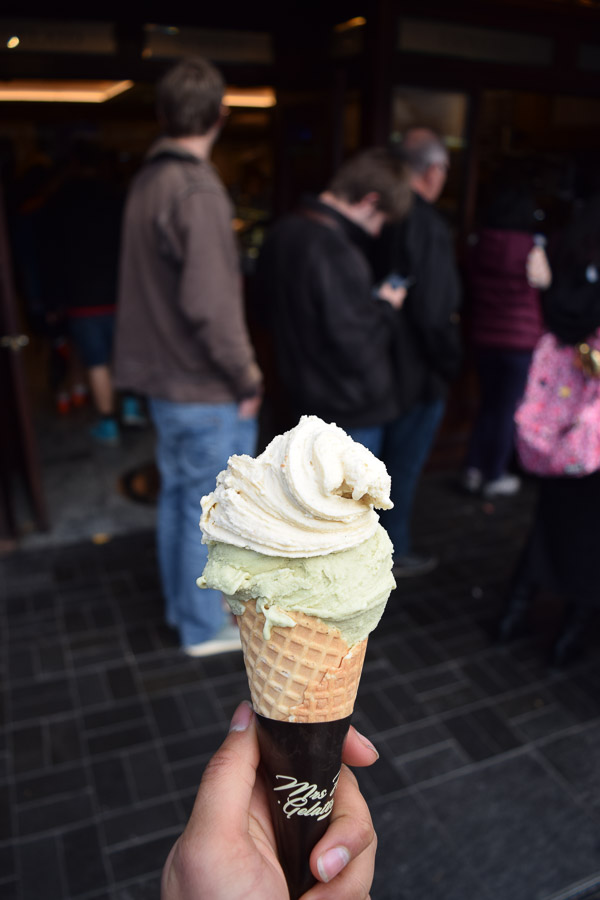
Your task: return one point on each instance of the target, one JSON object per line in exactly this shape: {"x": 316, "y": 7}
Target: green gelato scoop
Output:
{"x": 347, "y": 590}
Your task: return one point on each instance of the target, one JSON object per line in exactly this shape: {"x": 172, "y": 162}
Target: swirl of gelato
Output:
{"x": 313, "y": 491}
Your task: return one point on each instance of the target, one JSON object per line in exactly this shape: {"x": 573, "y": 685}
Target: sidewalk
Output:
{"x": 488, "y": 785}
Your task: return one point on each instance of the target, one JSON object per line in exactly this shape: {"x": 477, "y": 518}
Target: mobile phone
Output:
{"x": 396, "y": 281}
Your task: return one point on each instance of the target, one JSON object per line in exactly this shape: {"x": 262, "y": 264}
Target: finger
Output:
{"x": 344, "y": 859}
{"x": 221, "y": 806}
{"x": 224, "y": 796}
{"x": 358, "y": 750}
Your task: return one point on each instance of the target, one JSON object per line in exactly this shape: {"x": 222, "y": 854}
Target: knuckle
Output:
{"x": 364, "y": 831}
{"x": 220, "y": 763}
{"x": 349, "y": 775}
{"x": 220, "y": 767}
{"x": 358, "y": 885}
{"x": 185, "y": 856}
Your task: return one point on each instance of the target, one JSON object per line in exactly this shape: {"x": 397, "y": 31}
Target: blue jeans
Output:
{"x": 195, "y": 440}
{"x": 404, "y": 446}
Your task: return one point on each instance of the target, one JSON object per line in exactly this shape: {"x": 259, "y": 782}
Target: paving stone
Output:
{"x": 5, "y": 813}
{"x": 92, "y": 688}
{"x": 121, "y": 682}
{"x": 22, "y": 663}
{"x": 8, "y": 868}
{"x": 385, "y": 777}
{"x": 112, "y": 783}
{"x": 442, "y": 678}
{"x": 186, "y": 775}
{"x": 168, "y": 715}
{"x": 488, "y": 777}
{"x": 191, "y": 745}
{"x": 471, "y": 737}
{"x": 61, "y": 811}
{"x": 140, "y": 889}
{"x": 84, "y": 859}
{"x": 414, "y": 859}
{"x": 149, "y": 776}
{"x": 373, "y": 707}
{"x": 432, "y": 762}
{"x": 550, "y": 720}
{"x": 523, "y": 703}
{"x": 51, "y": 657}
{"x": 40, "y": 869}
{"x": 142, "y": 639}
{"x": 27, "y": 747}
{"x": 516, "y": 828}
{"x": 577, "y": 700}
{"x": 142, "y": 857}
{"x": 575, "y": 758}
{"x": 199, "y": 706}
{"x": 408, "y": 740}
{"x": 55, "y": 781}
{"x": 140, "y": 822}
{"x": 502, "y": 737}
{"x": 41, "y": 698}
{"x": 457, "y": 696}
{"x": 112, "y": 715}
{"x": 119, "y": 738}
{"x": 406, "y": 711}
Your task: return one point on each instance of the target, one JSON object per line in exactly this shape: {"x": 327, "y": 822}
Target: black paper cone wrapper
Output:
{"x": 301, "y": 765}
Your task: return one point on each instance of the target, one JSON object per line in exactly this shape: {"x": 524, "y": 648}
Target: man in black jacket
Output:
{"x": 419, "y": 251}
{"x": 332, "y": 339}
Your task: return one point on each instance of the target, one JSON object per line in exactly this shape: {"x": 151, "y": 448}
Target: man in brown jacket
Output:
{"x": 182, "y": 339}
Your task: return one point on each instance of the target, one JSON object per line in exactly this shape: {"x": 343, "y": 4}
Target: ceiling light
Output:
{"x": 260, "y": 98}
{"x": 61, "y": 91}
{"x": 13, "y": 42}
{"x": 356, "y": 22}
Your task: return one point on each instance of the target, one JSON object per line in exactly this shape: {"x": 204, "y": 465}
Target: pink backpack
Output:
{"x": 558, "y": 420}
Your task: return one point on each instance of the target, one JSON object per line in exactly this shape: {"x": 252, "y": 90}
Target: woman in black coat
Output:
{"x": 562, "y": 550}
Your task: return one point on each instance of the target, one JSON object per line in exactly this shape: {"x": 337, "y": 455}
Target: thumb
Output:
{"x": 221, "y": 808}
{"x": 224, "y": 796}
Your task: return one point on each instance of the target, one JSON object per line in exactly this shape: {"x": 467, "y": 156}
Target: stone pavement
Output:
{"x": 488, "y": 785}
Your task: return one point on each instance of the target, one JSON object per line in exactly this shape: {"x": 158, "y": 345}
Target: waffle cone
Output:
{"x": 305, "y": 673}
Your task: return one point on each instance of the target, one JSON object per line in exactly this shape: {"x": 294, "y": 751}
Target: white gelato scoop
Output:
{"x": 310, "y": 493}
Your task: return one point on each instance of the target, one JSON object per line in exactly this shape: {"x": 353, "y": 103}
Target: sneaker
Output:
{"x": 411, "y": 564}
{"x": 505, "y": 486}
{"x": 471, "y": 480}
{"x": 106, "y": 432}
{"x": 132, "y": 414}
{"x": 225, "y": 640}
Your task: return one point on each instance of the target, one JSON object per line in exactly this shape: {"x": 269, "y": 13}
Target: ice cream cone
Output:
{"x": 305, "y": 673}
{"x": 303, "y": 682}
{"x": 298, "y": 521}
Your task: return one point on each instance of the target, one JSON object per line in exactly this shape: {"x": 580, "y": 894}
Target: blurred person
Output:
{"x": 332, "y": 338}
{"x": 505, "y": 270}
{"x": 82, "y": 223}
{"x": 418, "y": 252}
{"x": 561, "y": 551}
{"x": 33, "y": 242}
{"x": 182, "y": 339}
{"x": 228, "y": 850}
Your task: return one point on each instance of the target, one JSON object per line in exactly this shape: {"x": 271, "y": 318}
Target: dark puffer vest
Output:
{"x": 505, "y": 309}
